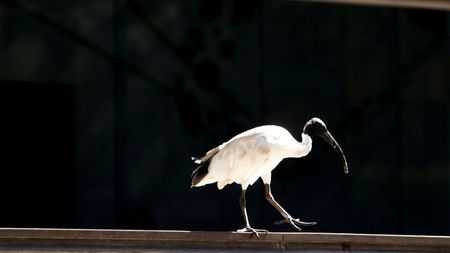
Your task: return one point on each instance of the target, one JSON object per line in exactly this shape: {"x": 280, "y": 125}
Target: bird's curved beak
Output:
{"x": 330, "y": 139}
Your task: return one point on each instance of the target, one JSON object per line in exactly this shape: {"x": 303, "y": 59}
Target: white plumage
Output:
{"x": 254, "y": 154}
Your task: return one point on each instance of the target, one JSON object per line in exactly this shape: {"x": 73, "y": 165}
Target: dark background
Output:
{"x": 104, "y": 102}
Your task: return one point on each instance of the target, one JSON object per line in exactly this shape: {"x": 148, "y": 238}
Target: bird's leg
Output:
{"x": 247, "y": 228}
{"x": 287, "y": 217}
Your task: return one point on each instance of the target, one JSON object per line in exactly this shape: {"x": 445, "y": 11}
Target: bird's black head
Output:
{"x": 316, "y": 127}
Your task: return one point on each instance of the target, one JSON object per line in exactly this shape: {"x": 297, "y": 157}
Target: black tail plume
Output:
{"x": 200, "y": 172}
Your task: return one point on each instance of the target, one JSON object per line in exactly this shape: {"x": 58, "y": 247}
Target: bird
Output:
{"x": 253, "y": 154}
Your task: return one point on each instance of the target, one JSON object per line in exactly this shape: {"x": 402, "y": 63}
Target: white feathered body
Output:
{"x": 251, "y": 155}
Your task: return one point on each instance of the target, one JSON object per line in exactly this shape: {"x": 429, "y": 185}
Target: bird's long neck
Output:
{"x": 303, "y": 147}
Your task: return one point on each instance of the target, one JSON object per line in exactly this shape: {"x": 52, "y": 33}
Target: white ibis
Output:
{"x": 254, "y": 154}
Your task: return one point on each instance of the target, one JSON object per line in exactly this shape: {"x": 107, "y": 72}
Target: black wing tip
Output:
{"x": 199, "y": 173}
{"x": 202, "y": 170}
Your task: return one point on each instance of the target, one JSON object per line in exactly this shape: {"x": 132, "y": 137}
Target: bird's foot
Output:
{"x": 295, "y": 223}
{"x": 254, "y": 231}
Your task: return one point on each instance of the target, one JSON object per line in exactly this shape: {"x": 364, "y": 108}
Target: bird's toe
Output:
{"x": 304, "y": 223}
{"x": 295, "y": 223}
{"x": 255, "y": 232}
